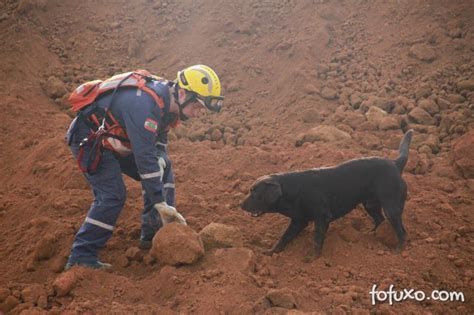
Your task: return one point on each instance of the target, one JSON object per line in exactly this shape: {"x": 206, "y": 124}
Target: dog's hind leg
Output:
{"x": 374, "y": 209}
{"x": 295, "y": 227}
{"x": 393, "y": 211}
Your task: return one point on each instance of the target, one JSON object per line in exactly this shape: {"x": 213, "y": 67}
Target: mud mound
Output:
{"x": 307, "y": 84}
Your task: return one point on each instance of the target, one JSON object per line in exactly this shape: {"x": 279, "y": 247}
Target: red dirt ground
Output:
{"x": 287, "y": 66}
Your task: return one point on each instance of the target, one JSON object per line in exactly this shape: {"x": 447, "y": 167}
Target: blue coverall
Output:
{"x": 131, "y": 108}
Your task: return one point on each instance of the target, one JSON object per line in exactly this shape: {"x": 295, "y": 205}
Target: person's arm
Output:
{"x": 141, "y": 123}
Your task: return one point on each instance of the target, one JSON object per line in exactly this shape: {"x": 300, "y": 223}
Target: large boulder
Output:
{"x": 177, "y": 244}
{"x": 218, "y": 235}
{"x": 463, "y": 155}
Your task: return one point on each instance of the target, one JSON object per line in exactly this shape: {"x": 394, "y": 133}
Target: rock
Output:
{"x": 354, "y": 119}
{"x": 389, "y": 122}
{"x": 455, "y": 98}
{"x": 311, "y": 116}
{"x": 45, "y": 248}
{"x": 443, "y": 103}
{"x": 177, "y": 244}
{"x": 55, "y": 88}
{"x": 465, "y": 85}
{"x": 463, "y": 154}
{"x": 32, "y": 293}
{"x": 166, "y": 282}
{"x": 4, "y": 293}
{"x": 216, "y": 134}
{"x": 423, "y": 92}
{"x": 65, "y": 282}
{"x": 429, "y": 105}
{"x": 217, "y": 235}
{"x": 381, "y": 118}
{"x": 355, "y": 100}
{"x": 385, "y": 104}
{"x": 349, "y": 234}
{"x": 422, "y": 52}
{"x": 369, "y": 141}
{"x": 328, "y": 93}
{"x": 198, "y": 135}
{"x": 310, "y": 89}
{"x": 238, "y": 259}
{"x": 134, "y": 253}
{"x": 9, "y": 304}
{"x": 386, "y": 235}
{"x": 4, "y": 16}
{"x": 261, "y": 305}
{"x": 322, "y": 133}
{"x": 57, "y": 264}
{"x": 420, "y": 116}
{"x": 281, "y": 298}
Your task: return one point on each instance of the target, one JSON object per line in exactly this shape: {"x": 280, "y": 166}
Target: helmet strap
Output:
{"x": 181, "y": 106}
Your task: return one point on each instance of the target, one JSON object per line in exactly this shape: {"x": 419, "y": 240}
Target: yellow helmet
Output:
{"x": 204, "y": 84}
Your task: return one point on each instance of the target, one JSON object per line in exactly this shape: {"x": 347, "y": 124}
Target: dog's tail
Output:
{"x": 403, "y": 149}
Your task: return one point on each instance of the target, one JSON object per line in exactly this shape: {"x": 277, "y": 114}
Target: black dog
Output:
{"x": 325, "y": 194}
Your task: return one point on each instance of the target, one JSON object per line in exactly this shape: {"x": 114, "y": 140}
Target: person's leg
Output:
{"x": 109, "y": 198}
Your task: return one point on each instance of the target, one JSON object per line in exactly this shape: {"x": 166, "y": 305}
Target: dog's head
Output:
{"x": 263, "y": 196}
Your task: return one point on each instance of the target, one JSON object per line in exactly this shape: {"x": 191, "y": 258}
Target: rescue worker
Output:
{"x": 124, "y": 130}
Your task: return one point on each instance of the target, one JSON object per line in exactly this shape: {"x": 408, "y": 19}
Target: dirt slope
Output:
{"x": 366, "y": 70}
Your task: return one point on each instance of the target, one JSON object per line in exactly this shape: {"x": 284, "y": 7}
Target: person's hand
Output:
{"x": 169, "y": 214}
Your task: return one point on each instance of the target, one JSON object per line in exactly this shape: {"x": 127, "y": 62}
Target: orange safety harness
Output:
{"x": 109, "y": 134}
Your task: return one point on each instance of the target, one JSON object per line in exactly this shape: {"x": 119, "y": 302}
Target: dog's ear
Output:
{"x": 272, "y": 190}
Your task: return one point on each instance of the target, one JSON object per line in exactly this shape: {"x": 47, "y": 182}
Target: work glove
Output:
{"x": 169, "y": 214}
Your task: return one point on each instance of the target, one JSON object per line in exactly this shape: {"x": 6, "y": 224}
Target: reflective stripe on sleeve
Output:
{"x": 99, "y": 224}
{"x": 169, "y": 185}
{"x": 151, "y": 175}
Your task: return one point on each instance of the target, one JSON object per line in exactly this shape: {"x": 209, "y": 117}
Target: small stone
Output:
{"x": 422, "y": 52}
{"x": 281, "y": 298}
{"x": 216, "y": 135}
{"x": 455, "y": 98}
{"x": 134, "y": 253}
{"x": 65, "y": 282}
{"x": 10, "y": 303}
{"x": 328, "y": 93}
{"x": 465, "y": 85}
{"x": 459, "y": 263}
{"x": 420, "y": 116}
{"x": 429, "y": 105}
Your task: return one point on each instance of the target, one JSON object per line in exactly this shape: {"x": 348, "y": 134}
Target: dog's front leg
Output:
{"x": 295, "y": 227}
{"x": 322, "y": 226}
